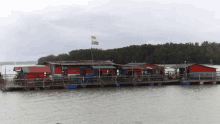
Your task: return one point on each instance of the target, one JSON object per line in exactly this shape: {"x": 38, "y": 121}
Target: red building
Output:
{"x": 32, "y": 72}
{"x": 84, "y": 68}
{"x": 137, "y": 68}
{"x": 195, "y": 70}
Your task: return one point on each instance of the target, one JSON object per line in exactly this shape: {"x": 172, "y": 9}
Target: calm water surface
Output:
{"x": 129, "y": 105}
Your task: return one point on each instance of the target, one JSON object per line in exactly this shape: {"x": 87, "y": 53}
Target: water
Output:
{"x": 129, "y": 105}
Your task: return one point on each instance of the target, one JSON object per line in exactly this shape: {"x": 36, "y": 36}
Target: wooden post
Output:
{"x": 148, "y": 78}
{"x": 115, "y": 80}
{"x": 142, "y": 74}
{"x": 132, "y": 71}
{"x": 212, "y": 76}
{"x": 52, "y": 81}
{"x": 25, "y": 84}
{"x": 43, "y": 82}
{"x": 63, "y": 81}
{"x": 100, "y": 81}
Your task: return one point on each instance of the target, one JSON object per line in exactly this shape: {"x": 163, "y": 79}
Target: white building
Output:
{"x": 9, "y": 66}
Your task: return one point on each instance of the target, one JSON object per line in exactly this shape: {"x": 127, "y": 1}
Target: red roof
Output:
{"x": 39, "y": 69}
{"x": 17, "y": 68}
{"x": 148, "y": 65}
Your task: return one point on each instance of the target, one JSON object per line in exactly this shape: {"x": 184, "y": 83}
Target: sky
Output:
{"x": 33, "y": 29}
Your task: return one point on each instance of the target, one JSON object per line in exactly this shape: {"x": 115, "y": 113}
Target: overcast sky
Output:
{"x": 30, "y": 30}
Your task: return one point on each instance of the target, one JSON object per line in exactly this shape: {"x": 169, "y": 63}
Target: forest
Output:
{"x": 169, "y": 53}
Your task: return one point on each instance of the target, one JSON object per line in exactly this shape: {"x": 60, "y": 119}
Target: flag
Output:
{"x": 94, "y": 41}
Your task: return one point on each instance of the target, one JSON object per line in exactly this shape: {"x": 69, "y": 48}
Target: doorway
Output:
{"x": 65, "y": 71}
{"x": 83, "y": 71}
{"x": 100, "y": 73}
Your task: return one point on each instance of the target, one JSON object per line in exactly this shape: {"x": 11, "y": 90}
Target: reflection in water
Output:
{"x": 124, "y": 105}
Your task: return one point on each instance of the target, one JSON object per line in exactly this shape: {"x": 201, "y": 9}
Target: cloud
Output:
{"x": 60, "y": 29}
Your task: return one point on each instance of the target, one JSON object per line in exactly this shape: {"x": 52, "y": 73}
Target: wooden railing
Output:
{"x": 64, "y": 81}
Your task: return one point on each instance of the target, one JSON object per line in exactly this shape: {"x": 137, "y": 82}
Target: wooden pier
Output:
{"x": 103, "y": 81}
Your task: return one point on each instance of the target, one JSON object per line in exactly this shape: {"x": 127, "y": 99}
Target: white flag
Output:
{"x": 94, "y": 40}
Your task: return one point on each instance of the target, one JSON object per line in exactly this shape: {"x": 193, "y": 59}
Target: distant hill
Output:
{"x": 169, "y": 53}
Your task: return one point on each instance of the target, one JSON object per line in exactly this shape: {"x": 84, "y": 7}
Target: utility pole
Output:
{"x": 211, "y": 63}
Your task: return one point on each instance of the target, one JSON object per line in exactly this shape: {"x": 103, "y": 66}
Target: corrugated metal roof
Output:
{"x": 105, "y": 67}
{"x": 34, "y": 69}
{"x": 134, "y": 64}
{"x": 138, "y": 67}
{"x": 181, "y": 66}
{"x": 133, "y": 67}
{"x": 39, "y": 69}
{"x": 19, "y": 68}
{"x": 83, "y": 62}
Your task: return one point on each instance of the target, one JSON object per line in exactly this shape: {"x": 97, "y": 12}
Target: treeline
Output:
{"x": 170, "y": 53}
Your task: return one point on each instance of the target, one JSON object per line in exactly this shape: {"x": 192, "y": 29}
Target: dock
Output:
{"x": 11, "y": 84}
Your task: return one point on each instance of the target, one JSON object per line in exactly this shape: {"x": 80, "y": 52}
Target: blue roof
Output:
{"x": 105, "y": 67}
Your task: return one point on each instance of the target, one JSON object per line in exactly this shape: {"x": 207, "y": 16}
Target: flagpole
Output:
{"x": 91, "y": 50}
{"x": 92, "y": 54}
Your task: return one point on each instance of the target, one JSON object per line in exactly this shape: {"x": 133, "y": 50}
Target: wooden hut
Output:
{"x": 84, "y": 68}
{"x": 195, "y": 71}
{"x": 141, "y": 68}
{"x": 32, "y": 72}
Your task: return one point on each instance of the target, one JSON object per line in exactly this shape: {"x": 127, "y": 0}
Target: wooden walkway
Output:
{"x": 24, "y": 84}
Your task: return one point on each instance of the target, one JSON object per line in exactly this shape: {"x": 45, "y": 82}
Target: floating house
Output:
{"x": 85, "y": 68}
{"x": 32, "y": 72}
{"x": 195, "y": 70}
{"x": 141, "y": 68}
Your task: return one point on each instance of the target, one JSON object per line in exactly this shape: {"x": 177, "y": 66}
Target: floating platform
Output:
{"x": 75, "y": 83}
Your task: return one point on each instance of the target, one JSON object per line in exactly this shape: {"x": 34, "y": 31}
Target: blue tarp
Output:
{"x": 22, "y": 74}
{"x": 72, "y": 86}
{"x": 185, "y": 83}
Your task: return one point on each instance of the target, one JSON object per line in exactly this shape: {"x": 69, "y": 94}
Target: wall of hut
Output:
{"x": 198, "y": 70}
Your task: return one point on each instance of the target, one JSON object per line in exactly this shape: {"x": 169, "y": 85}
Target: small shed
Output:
{"x": 132, "y": 70}
{"x": 80, "y": 68}
{"x": 195, "y": 70}
{"x": 32, "y": 72}
{"x": 142, "y": 68}
{"x": 104, "y": 70}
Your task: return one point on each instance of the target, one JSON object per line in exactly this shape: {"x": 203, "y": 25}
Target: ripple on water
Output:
{"x": 137, "y": 105}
